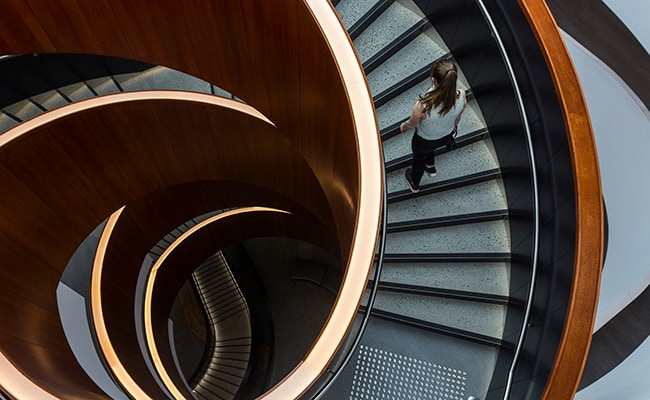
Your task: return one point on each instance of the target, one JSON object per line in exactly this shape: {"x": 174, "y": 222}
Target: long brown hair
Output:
{"x": 446, "y": 75}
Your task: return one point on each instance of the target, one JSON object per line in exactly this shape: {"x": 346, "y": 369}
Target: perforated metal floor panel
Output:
{"x": 380, "y": 374}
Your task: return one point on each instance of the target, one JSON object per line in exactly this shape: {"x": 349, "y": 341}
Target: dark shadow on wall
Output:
{"x": 598, "y": 29}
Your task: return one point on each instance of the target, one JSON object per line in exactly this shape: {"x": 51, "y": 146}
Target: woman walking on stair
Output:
{"x": 435, "y": 118}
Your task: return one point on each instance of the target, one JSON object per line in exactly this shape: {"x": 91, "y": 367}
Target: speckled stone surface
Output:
{"x": 491, "y": 278}
{"x": 419, "y": 53}
{"x": 104, "y": 86}
{"x": 468, "y": 238}
{"x": 162, "y": 78}
{"x": 482, "y": 318}
{"x": 24, "y": 110}
{"x": 351, "y": 11}
{"x": 484, "y": 196}
{"x": 392, "y": 23}
{"x": 462, "y": 161}
{"x": 51, "y": 99}
{"x": 400, "y": 107}
{"x": 6, "y": 123}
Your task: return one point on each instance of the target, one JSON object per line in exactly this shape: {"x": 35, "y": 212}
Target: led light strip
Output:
{"x": 369, "y": 208}
{"x": 111, "y": 357}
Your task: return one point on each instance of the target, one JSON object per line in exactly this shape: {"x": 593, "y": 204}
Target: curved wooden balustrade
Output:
{"x": 291, "y": 61}
{"x": 572, "y": 352}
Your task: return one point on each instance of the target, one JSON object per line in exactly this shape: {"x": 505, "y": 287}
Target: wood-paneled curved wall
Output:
{"x": 61, "y": 179}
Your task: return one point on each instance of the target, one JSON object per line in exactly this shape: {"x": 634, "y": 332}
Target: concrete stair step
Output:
{"x": 466, "y": 160}
{"x": 489, "y": 277}
{"x": 161, "y": 78}
{"x": 484, "y": 237}
{"x": 484, "y": 196}
{"x": 476, "y": 317}
{"x": 419, "y": 53}
{"x": 393, "y": 22}
{"x": 351, "y": 11}
{"x": 24, "y": 110}
{"x": 6, "y": 123}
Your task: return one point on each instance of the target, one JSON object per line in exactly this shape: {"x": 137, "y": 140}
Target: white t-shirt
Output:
{"x": 436, "y": 126}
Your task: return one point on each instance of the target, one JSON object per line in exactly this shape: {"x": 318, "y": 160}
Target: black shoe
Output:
{"x": 431, "y": 170}
{"x": 409, "y": 178}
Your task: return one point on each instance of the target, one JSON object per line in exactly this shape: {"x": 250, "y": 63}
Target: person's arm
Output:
{"x": 414, "y": 119}
{"x": 460, "y": 114}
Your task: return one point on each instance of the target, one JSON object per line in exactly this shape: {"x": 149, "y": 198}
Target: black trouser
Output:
{"x": 423, "y": 153}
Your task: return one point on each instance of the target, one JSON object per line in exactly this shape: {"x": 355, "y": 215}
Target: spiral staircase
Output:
{"x": 435, "y": 310}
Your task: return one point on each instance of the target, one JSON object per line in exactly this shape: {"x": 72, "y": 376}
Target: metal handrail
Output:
{"x": 522, "y": 110}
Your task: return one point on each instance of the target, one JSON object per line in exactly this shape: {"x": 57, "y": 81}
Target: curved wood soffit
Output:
{"x": 65, "y": 171}
{"x": 291, "y": 60}
{"x": 573, "y": 349}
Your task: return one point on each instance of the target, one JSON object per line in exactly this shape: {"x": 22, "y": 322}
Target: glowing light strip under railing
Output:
{"x": 119, "y": 372}
{"x": 151, "y": 280}
{"x": 17, "y": 385}
{"x": 369, "y": 212}
{"x": 124, "y": 97}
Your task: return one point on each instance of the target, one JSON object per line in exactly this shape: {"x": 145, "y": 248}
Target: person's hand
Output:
{"x": 403, "y": 127}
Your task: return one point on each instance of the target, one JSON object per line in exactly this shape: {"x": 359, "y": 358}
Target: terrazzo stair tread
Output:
{"x": 489, "y": 277}
{"x": 238, "y": 363}
{"x": 209, "y": 390}
{"x": 483, "y": 196}
{"x": 472, "y": 217}
{"x": 463, "y": 334}
{"x": 233, "y": 342}
{"x": 398, "y": 153}
{"x": 462, "y": 140}
{"x": 219, "y": 303}
{"x": 393, "y": 22}
{"x": 483, "y": 237}
{"x": 77, "y": 92}
{"x": 464, "y": 161}
{"x": 417, "y": 55}
{"x": 414, "y": 288}
{"x": 481, "y": 318}
{"x": 225, "y": 381}
{"x": 23, "y": 110}
{"x": 400, "y": 144}
{"x": 6, "y": 123}
{"x": 50, "y": 100}
{"x": 226, "y": 373}
{"x": 104, "y": 86}
{"x": 363, "y": 13}
{"x": 443, "y": 185}
{"x": 234, "y": 327}
{"x": 383, "y": 54}
{"x": 161, "y": 78}
{"x": 350, "y": 11}
{"x": 402, "y": 258}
